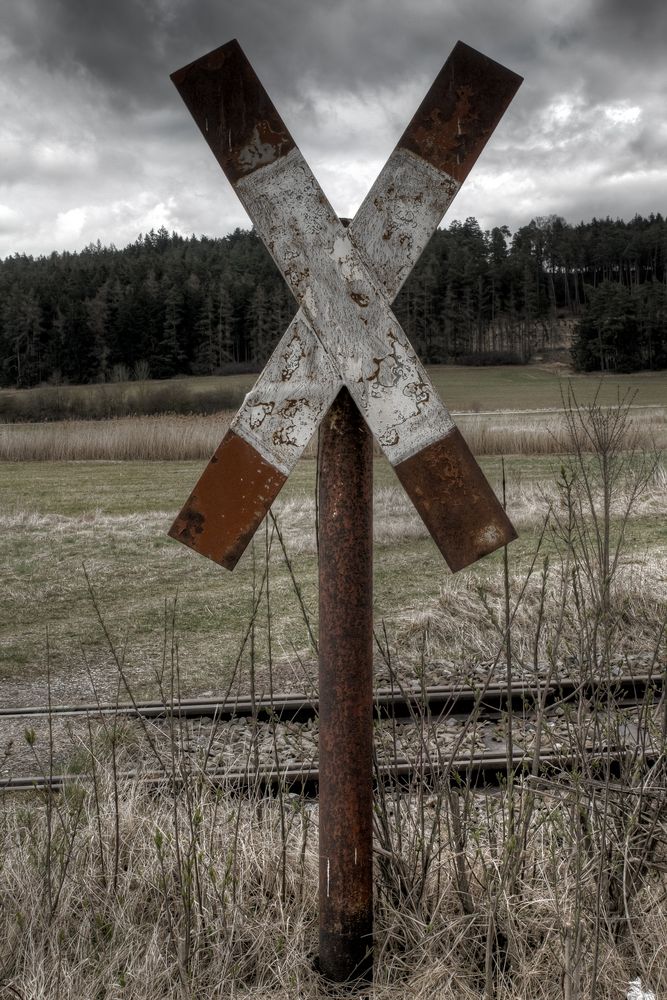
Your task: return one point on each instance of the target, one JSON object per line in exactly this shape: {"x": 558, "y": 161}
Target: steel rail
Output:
{"x": 387, "y": 703}
{"x": 489, "y": 769}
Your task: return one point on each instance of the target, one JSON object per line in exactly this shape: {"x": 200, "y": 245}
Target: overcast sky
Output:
{"x": 96, "y": 143}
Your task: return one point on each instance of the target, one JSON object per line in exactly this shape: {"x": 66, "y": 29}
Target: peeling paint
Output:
{"x": 301, "y": 379}
{"x": 290, "y": 212}
{"x": 389, "y": 438}
{"x": 344, "y": 280}
{"x": 343, "y": 251}
{"x": 389, "y": 233}
{"x": 399, "y": 215}
{"x": 292, "y": 407}
{"x": 259, "y": 412}
{"x": 292, "y": 355}
{"x": 256, "y": 153}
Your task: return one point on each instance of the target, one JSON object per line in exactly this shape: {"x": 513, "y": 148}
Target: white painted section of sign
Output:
{"x": 399, "y": 215}
{"x": 393, "y": 225}
{"x": 346, "y": 306}
{"x": 282, "y": 411}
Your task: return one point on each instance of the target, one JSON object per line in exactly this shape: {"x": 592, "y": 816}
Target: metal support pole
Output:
{"x": 346, "y": 693}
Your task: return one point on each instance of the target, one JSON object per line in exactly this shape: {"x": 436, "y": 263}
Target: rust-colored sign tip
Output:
{"x": 214, "y": 59}
{"x": 456, "y": 118}
{"x": 455, "y": 501}
{"x": 229, "y": 502}
{"x": 233, "y": 111}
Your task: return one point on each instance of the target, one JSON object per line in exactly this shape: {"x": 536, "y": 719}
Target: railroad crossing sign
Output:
{"x": 344, "y": 356}
{"x": 344, "y": 281}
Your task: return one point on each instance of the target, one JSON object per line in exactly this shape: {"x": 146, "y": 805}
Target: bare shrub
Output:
{"x": 141, "y": 371}
{"x": 119, "y": 373}
{"x": 551, "y": 879}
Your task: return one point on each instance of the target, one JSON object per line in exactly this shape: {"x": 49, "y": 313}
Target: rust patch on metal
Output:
{"x": 346, "y": 692}
{"x": 467, "y": 100}
{"x": 218, "y": 89}
{"x": 228, "y": 503}
{"x": 455, "y": 501}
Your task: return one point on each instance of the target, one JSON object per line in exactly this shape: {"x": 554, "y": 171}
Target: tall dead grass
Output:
{"x": 114, "y": 891}
{"x": 160, "y": 438}
{"x": 168, "y": 437}
{"x": 547, "y": 432}
{"x": 552, "y": 887}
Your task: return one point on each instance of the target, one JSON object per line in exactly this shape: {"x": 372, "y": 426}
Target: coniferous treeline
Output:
{"x": 168, "y": 305}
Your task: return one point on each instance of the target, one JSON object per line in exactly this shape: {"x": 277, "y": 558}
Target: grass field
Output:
{"x": 462, "y": 388}
{"x": 111, "y": 517}
{"x": 532, "y": 387}
{"x": 552, "y": 889}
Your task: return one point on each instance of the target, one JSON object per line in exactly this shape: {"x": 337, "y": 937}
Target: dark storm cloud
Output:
{"x": 129, "y": 46}
{"x": 95, "y": 141}
{"x": 116, "y": 46}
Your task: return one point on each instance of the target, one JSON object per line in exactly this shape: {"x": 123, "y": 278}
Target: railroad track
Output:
{"x": 403, "y": 703}
{"x": 487, "y": 768}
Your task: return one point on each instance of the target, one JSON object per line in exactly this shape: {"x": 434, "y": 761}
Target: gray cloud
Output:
{"x": 94, "y": 141}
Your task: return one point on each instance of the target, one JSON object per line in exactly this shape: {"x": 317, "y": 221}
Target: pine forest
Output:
{"x": 168, "y": 305}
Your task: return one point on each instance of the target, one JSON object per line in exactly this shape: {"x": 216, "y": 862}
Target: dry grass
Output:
{"x": 457, "y": 633}
{"x": 545, "y": 432}
{"x": 181, "y": 438}
{"x": 121, "y": 399}
{"x": 110, "y": 890}
{"x": 546, "y": 890}
{"x": 158, "y": 438}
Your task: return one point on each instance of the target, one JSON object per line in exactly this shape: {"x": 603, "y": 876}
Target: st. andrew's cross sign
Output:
{"x": 345, "y": 347}
{"x": 344, "y": 281}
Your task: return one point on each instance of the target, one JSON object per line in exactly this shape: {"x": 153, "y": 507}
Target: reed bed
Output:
{"x": 546, "y": 432}
{"x": 159, "y": 438}
{"x": 170, "y": 437}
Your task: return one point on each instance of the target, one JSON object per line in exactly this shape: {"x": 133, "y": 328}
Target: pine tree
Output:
{"x": 607, "y": 337}
{"x": 97, "y": 312}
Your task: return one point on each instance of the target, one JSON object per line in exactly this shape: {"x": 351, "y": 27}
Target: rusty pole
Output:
{"x": 346, "y": 693}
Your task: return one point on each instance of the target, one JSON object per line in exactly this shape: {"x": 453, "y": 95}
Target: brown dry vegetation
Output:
{"x": 120, "y": 399}
{"x": 546, "y": 890}
{"x": 164, "y": 438}
{"x": 181, "y": 438}
{"x": 463, "y": 388}
{"x": 115, "y": 891}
